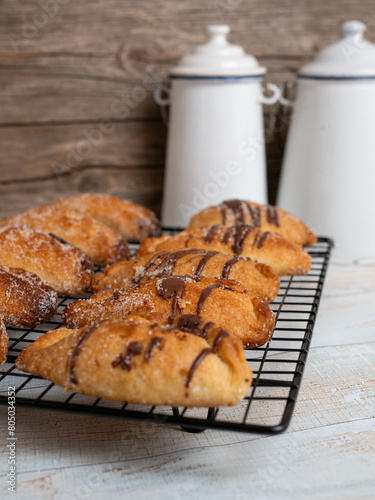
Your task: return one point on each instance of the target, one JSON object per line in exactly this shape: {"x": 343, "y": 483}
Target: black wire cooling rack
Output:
{"x": 277, "y": 368}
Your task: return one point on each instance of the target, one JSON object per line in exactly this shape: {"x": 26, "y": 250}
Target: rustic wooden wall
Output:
{"x": 77, "y": 78}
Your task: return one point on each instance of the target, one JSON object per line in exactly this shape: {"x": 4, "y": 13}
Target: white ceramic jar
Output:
{"x": 328, "y": 171}
{"x": 215, "y": 146}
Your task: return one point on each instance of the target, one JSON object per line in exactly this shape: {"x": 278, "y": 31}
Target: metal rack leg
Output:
{"x": 187, "y": 428}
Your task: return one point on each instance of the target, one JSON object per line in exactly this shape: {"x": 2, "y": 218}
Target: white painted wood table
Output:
{"x": 328, "y": 451}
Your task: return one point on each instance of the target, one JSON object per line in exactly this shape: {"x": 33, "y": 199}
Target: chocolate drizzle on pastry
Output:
{"x": 228, "y": 266}
{"x": 206, "y": 292}
{"x": 254, "y": 214}
{"x": 219, "y": 337}
{"x": 168, "y": 261}
{"x": 194, "y": 324}
{"x": 239, "y": 234}
{"x": 260, "y": 238}
{"x": 155, "y": 343}
{"x": 173, "y": 287}
{"x": 273, "y": 215}
{"x": 190, "y": 323}
{"x": 85, "y": 334}
{"x": 124, "y": 360}
{"x": 205, "y": 352}
{"x": 236, "y": 208}
{"x": 164, "y": 263}
{"x": 208, "y": 255}
{"x": 61, "y": 240}
{"x": 198, "y": 360}
{"x": 211, "y": 233}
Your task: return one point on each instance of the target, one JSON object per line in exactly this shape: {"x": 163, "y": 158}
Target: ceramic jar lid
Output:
{"x": 350, "y": 57}
{"x": 218, "y": 58}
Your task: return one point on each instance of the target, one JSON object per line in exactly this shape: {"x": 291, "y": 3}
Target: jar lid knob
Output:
{"x": 353, "y": 28}
{"x": 218, "y": 58}
{"x": 218, "y": 33}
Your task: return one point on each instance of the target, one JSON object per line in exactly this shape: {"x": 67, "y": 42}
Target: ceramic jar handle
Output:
{"x": 161, "y": 95}
{"x": 276, "y": 94}
{"x": 284, "y": 101}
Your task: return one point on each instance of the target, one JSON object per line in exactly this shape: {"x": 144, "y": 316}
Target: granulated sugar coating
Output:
{"x": 102, "y": 244}
{"x": 224, "y": 302}
{"x": 3, "y": 342}
{"x": 259, "y": 279}
{"x": 133, "y": 221}
{"x": 25, "y": 300}
{"x": 67, "y": 269}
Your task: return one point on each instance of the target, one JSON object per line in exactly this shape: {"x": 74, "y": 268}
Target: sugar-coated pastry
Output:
{"x": 3, "y": 342}
{"x": 265, "y": 217}
{"x": 66, "y": 268}
{"x": 102, "y": 244}
{"x": 135, "y": 361}
{"x": 25, "y": 300}
{"x": 283, "y": 256}
{"x": 134, "y": 222}
{"x": 259, "y": 279}
{"x": 224, "y": 302}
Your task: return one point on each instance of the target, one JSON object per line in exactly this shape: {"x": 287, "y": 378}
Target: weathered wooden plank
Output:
{"x": 72, "y": 89}
{"x": 58, "y": 91}
{"x": 96, "y": 27}
{"x": 36, "y": 161}
{"x": 40, "y": 152}
{"x": 42, "y": 162}
{"x": 338, "y": 386}
{"x": 348, "y": 291}
{"x": 142, "y": 185}
{"x": 334, "y": 462}
{"x": 36, "y": 152}
{"x": 75, "y": 63}
{"x": 73, "y": 68}
{"x": 328, "y": 452}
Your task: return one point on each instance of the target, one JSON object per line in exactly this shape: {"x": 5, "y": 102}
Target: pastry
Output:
{"x": 283, "y": 256}
{"x": 135, "y": 361}
{"x": 67, "y": 269}
{"x": 258, "y": 279}
{"x": 265, "y": 217}
{"x": 134, "y": 222}
{"x": 25, "y": 300}
{"x": 3, "y": 342}
{"x": 102, "y": 244}
{"x": 224, "y": 302}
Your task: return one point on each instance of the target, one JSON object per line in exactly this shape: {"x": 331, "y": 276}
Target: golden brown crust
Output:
{"x": 25, "y": 300}
{"x": 102, "y": 244}
{"x": 258, "y": 278}
{"x": 66, "y": 268}
{"x": 3, "y": 342}
{"x": 133, "y": 221}
{"x": 224, "y": 302}
{"x": 136, "y": 362}
{"x": 283, "y": 256}
{"x": 265, "y": 217}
